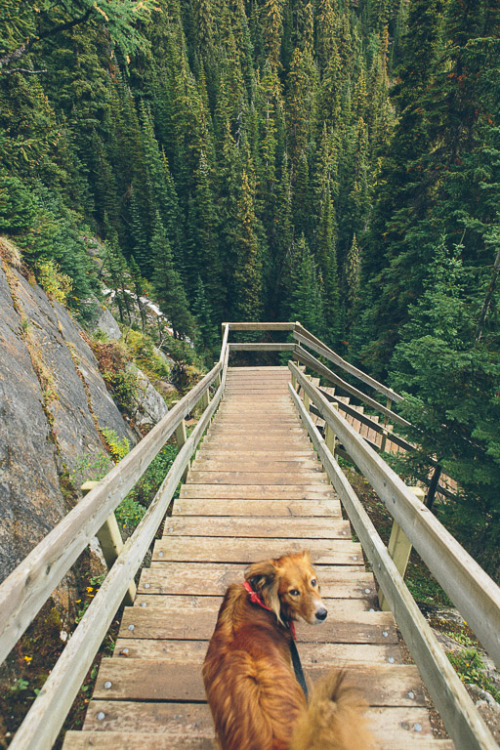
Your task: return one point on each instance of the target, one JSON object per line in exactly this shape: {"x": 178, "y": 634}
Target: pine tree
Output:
{"x": 327, "y": 266}
{"x": 272, "y": 25}
{"x": 450, "y": 381}
{"x": 168, "y": 284}
{"x": 248, "y": 270}
{"x": 307, "y": 294}
{"x": 206, "y": 332}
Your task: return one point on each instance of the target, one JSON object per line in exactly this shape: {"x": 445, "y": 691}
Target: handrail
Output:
{"x": 474, "y": 593}
{"x": 303, "y": 336}
{"x": 47, "y": 714}
{"x": 28, "y": 587}
{"x": 307, "y": 359}
{"x": 370, "y": 422}
{"x": 459, "y": 714}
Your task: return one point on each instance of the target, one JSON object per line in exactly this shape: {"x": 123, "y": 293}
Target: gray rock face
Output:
{"x": 150, "y": 405}
{"x": 107, "y": 324}
{"x": 52, "y": 401}
{"x": 31, "y": 502}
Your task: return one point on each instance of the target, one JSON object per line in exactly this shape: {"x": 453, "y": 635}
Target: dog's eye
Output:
{"x": 294, "y": 592}
{"x": 314, "y": 582}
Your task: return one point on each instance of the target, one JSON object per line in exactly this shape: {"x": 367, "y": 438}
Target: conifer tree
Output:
{"x": 307, "y": 294}
{"x": 248, "y": 271}
{"x": 327, "y": 266}
{"x": 168, "y": 284}
{"x": 450, "y": 380}
{"x": 206, "y": 333}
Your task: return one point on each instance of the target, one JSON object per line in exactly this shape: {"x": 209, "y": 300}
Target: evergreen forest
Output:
{"x": 326, "y": 161}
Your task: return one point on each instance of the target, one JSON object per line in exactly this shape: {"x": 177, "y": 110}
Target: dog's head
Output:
{"x": 289, "y": 587}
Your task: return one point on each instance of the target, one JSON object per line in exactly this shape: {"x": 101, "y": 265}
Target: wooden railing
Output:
{"x": 476, "y": 596}
{"x": 472, "y": 591}
{"x": 29, "y": 586}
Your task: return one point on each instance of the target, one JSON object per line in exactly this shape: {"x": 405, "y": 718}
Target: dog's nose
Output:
{"x": 321, "y": 613}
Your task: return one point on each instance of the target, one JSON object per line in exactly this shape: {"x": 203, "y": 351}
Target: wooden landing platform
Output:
{"x": 255, "y": 490}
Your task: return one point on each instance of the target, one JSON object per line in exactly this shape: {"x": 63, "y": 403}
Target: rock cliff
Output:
{"x": 53, "y": 404}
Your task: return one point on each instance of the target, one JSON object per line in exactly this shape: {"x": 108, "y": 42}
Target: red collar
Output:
{"x": 255, "y": 598}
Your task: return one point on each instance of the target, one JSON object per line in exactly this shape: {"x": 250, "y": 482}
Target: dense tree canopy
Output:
{"x": 336, "y": 162}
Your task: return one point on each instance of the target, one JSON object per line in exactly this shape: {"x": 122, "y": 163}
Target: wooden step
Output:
{"x": 264, "y": 508}
{"x": 151, "y": 623}
{"x": 150, "y": 680}
{"x": 249, "y": 492}
{"x": 272, "y": 528}
{"x": 329, "y": 654}
{"x": 248, "y": 550}
{"x": 194, "y": 740}
{"x": 337, "y": 581}
{"x": 294, "y": 476}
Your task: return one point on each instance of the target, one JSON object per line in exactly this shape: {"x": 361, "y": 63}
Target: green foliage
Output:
{"x": 55, "y": 284}
{"x": 119, "y": 377}
{"x": 471, "y": 669}
{"x": 273, "y": 160}
{"x": 133, "y": 507}
{"x": 118, "y": 448}
{"x": 450, "y": 382}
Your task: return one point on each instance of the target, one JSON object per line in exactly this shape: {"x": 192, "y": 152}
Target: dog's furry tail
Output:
{"x": 333, "y": 719}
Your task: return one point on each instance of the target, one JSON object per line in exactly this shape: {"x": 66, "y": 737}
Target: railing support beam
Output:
{"x": 111, "y": 543}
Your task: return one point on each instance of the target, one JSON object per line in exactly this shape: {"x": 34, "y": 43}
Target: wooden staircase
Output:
{"x": 256, "y": 489}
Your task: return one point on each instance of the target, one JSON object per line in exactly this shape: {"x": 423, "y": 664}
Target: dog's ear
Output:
{"x": 306, "y": 556}
{"x": 263, "y": 577}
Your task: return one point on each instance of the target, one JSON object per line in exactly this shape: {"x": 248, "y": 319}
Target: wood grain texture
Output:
{"x": 310, "y": 528}
{"x": 265, "y": 508}
{"x": 199, "y": 578}
{"x": 248, "y": 550}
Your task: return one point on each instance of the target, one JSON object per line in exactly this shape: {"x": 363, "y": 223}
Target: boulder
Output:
{"x": 150, "y": 405}
{"x": 107, "y": 324}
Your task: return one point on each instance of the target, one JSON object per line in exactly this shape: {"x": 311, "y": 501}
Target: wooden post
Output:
{"x": 307, "y": 400}
{"x": 399, "y": 548}
{"x": 181, "y": 437}
{"x": 205, "y": 399}
{"x": 111, "y": 543}
{"x": 384, "y": 434}
{"x": 330, "y": 440}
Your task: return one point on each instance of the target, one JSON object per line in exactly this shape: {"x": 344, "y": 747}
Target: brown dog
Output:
{"x": 256, "y": 701}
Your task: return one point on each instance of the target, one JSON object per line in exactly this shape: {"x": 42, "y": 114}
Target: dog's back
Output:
{"x": 254, "y": 700}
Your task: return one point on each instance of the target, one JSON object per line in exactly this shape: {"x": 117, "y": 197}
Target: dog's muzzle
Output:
{"x": 321, "y": 613}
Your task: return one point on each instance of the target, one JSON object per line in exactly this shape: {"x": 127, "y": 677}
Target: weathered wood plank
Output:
{"x": 286, "y": 454}
{"x": 295, "y": 477}
{"x": 260, "y": 492}
{"x": 252, "y": 527}
{"x": 327, "y": 654}
{"x": 222, "y": 550}
{"x": 143, "y": 679}
{"x": 211, "y": 579}
{"x": 369, "y": 627}
{"x": 395, "y": 724}
{"x": 162, "y": 604}
{"x": 257, "y": 440}
{"x": 249, "y": 463}
{"x": 137, "y": 741}
{"x": 194, "y": 741}
{"x": 285, "y": 508}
